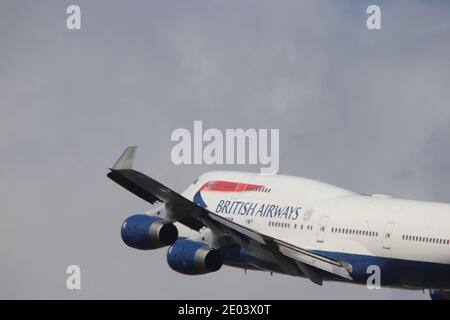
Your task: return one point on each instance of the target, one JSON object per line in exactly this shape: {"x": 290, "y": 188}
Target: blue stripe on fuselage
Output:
{"x": 396, "y": 272}
{"x": 199, "y": 200}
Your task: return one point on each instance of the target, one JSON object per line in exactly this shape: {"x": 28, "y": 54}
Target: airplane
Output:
{"x": 290, "y": 225}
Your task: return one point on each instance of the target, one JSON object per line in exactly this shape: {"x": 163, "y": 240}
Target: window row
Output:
{"x": 425, "y": 239}
{"x": 218, "y": 185}
{"x": 279, "y": 224}
{"x": 288, "y": 225}
{"x": 259, "y": 189}
{"x": 356, "y": 232}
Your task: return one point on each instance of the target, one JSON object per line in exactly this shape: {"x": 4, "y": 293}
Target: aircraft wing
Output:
{"x": 291, "y": 259}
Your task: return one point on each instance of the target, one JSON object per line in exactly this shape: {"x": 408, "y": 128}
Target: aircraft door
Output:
{"x": 322, "y": 228}
{"x": 387, "y": 235}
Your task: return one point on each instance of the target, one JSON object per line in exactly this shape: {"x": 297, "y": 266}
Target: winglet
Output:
{"x": 126, "y": 159}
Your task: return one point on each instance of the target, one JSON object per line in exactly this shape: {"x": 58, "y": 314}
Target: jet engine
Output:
{"x": 192, "y": 258}
{"x": 148, "y": 232}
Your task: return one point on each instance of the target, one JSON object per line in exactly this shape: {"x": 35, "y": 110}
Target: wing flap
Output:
{"x": 308, "y": 257}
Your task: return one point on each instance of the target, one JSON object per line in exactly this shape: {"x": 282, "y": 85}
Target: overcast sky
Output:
{"x": 365, "y": 110}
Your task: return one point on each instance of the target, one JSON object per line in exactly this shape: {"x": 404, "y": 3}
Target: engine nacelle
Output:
{"x": 148, "y": 232}
{"x": 190, "y": 257}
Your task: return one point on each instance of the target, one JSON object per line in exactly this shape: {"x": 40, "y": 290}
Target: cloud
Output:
{"x": 366, "y": 110}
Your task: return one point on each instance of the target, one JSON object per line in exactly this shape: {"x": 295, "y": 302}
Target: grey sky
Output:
{"x": 365, "y": 110}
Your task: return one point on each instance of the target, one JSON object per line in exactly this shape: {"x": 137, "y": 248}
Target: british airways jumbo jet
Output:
{"x": 290, "y": 225}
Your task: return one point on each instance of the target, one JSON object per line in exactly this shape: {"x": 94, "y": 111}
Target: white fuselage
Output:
{"x": 324, "y": 218}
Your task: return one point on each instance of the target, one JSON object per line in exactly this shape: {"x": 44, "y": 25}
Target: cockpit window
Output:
{"x": 196, "y": 180}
